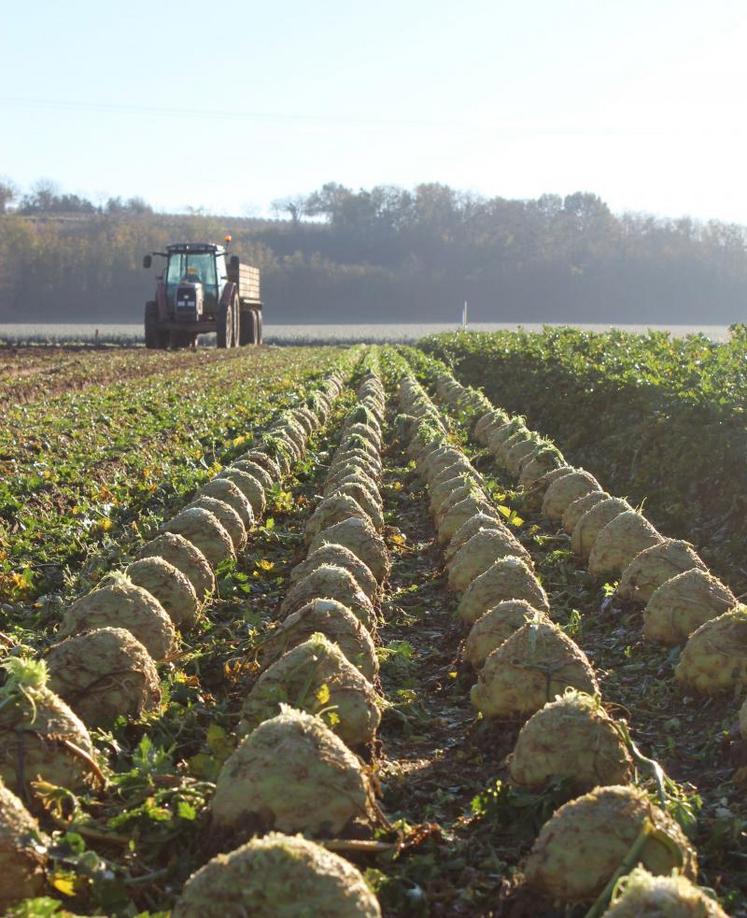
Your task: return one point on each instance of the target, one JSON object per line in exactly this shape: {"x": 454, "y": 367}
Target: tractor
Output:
{"x": 201, "y": 290}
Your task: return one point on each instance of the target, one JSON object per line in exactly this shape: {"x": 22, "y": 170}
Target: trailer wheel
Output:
{"x": 154, "y": 338}
{"x": 226, "y": 322}
{"x": 248, "y": 328}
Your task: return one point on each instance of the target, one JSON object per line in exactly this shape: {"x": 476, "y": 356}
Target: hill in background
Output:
{"x": 386, "y": 254}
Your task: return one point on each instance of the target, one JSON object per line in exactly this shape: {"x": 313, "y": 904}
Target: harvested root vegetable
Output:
{"x": 640, "y": 893}
{"x": 205, "y": 531}
{"x": 576, "y": 509}
{"x": 250, "y": 487}
{"x": 316, "y": 677}
{"x": 336, "y": 622}
{"x": 477, "y": 523}
{"x": 282, "y": 453}
{"x": 338, "y": 556}
{"x": 461, "y": 469}
{"x": 626, "y": 536}
{"x": 117, "y": 603}
{"x": 40, "y": 736}
{"x": 538, "y": 463}
{"x": 507, "y": 578}
{"x": 593, "y": 521}
{"x": 715, "y": 657}
{"x": 353, "y": 474}
{"x": 23, "y": 857}
{"x": 564, "y": 490}
{"x": 500, "y": 435}
{"x": 278, "y": 875}
{"x": 458, "y": 515}
{"x": 520, "y": 452}
{"x": 226, "y": 515}
{"x": 256, "y": 471}
{"x": 481, "y": 552}
{"x": 169, "y": 586}
{"x": 186, "y": 557}
{"x": 307, "y": 419}
{"x": 103, "y": 674}
{"x": 529, "y": 669}
{"x": 496, "y": 626}
{"x": 446, "y": 488}
{"x": 330, "y": 582}
{"x": 684, "y": 603}
{"x": 349, "y": 474}
{"x": 572, "y": 738}
{"x": 438, "y": 460}
{"x": 368, "y": 433}
{"x": 225, "y": 490}
{"x": 535, "y": 493}
{"x": 362, "y": 539}
{"x": 460, "y": 493}
{"x": 579, "y": 849}
{"x": 356, "y": 458}
{"x": 333, "y": 509}
{"x": 263, "y": 459}
{"x": 291, "y": 773}
{"x": 654, "y": 566}
{"x": 486, "y": 423}
{"x": 367, "y": 497}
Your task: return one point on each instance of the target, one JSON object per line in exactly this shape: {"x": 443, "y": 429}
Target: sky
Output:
{"x": 228, "y": 107}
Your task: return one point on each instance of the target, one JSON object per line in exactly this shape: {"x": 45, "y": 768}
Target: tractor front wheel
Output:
{"x": 226, "y": 322}
{"x": 155, "y": 339}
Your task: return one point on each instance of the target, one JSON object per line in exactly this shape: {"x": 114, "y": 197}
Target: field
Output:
{"x": 391, "y": 616}
{"x": 84, "y": 334}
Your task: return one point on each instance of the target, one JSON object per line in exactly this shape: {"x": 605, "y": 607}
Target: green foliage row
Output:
{"x": 83, "y": 470}
{"x": 657, "y": 419}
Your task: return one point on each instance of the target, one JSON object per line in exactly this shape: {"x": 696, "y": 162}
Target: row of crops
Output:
{"x": 244, "y": 715}
{"x": 661, "y": 418}
{"x": 529, "y": 669}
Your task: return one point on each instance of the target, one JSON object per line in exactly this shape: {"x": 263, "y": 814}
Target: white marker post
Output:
{"x": 464, "y": 317}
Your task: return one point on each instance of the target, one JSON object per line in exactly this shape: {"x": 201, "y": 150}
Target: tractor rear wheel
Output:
{"x": 226, "y": 323}
{"x": 154, "y": 338}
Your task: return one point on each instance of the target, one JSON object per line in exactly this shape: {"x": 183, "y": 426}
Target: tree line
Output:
{"x": 383, "y": 254}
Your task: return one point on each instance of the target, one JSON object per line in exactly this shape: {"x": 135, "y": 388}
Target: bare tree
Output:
{"x": 294, "y": 206}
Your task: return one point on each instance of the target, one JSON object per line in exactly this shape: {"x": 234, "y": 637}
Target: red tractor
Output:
{"x": 201, "y": 291}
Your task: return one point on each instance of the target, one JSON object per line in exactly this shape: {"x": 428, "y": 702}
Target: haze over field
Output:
{"x": 559, "y": 161}
{"x": 636, "y": 102}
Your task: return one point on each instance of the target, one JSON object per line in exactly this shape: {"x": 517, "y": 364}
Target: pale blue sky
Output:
{"x": 230, "y": 105}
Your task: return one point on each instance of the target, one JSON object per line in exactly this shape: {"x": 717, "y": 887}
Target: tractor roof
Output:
{"x": 195, "y": 248}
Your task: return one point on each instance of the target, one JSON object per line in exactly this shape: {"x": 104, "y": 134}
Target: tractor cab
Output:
{"x": 195, "y": 276}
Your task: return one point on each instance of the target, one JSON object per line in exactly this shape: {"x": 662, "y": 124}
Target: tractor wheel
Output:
{"x": 248, "y": 333}
{"x": 226, "y": 324}
{"x": 236, "y": 321}
{"x": 152, "y": 334}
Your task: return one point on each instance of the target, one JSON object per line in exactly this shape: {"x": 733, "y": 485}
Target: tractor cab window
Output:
{"x": 189, "y": 267}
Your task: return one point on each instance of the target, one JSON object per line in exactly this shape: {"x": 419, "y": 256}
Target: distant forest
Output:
{"x": 386, "y": 254}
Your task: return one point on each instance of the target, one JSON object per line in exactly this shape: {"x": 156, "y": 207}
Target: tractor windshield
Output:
{"x": 193, "y": 268}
